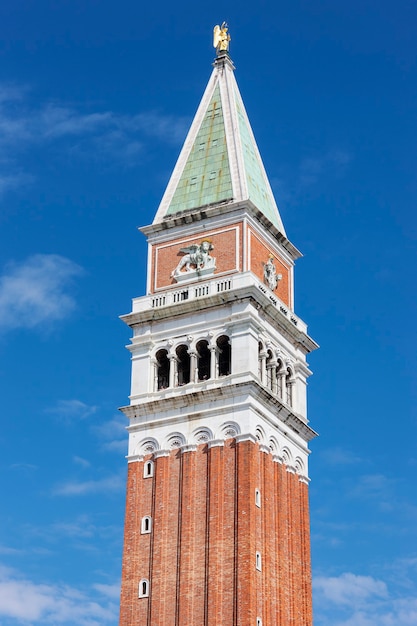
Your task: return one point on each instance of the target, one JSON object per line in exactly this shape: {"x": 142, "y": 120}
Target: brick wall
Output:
{"x": 259, "y": 254}
{"x": 227, "y": 251}
{"x": 200, "y": 555}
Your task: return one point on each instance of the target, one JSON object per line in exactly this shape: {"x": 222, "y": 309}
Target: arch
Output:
{"x": 299, "y": 466}
{"x": 279, "y": 374}
{"x": 147, "y": 446}
{"x": 148, "y": 469}
{"x": 203, "y": 360}
{"x": 229, "y": 430}
{"x": 162, "y": 369}
{"x": 261, "y": 362}
{"x": 289, "y": 383}
{"x": 260, "y": 434}
{"x": 273, "y": 445}
{"x": 202, "y": 435}
{"x": 183, "y": 365}
{"x": 224, "y": 355}
{"x": 270, "y": 369}
{"x": 174, "y": 440}
{"x": 146, "y": 525}
{"x": 143, "y": 591}
{"x": 286, "y": 456}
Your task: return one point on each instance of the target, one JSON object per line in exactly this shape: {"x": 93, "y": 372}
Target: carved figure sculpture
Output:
{"x": 270, "y": 273}
{"x": 197, "y": 255}
{"x": 221, "y": 37}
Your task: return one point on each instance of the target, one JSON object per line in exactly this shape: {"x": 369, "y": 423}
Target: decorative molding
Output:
{"x": 215, "y": 443}
{"x": 161, "y": 453}
{"x": 188, "y": 447}
{"x": 246, "y": 437}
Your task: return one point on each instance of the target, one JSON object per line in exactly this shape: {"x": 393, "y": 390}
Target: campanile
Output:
{"x": 217, "y": 522}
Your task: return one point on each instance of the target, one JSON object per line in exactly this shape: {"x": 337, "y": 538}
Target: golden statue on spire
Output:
{"x": 221, "y": 37}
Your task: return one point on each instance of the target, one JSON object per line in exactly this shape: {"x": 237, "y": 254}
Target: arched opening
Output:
{"x": 269, "y": 369}
{"x": 146, "y": 525}
{"x": 279, "y": 376}
{"x": 183, "y": 365}
{"x": 203, "y": 360}
{"x": 162, "y": 369}
{"x": 148, "y": 469}
{"x": 289, "y": 381}
{"x": 224, "y": 356}
{"x": 261, "y": 357}
{"x": 144, "y": 588}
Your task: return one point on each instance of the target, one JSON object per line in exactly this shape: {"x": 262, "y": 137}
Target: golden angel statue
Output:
{"x": 221, "y": 37}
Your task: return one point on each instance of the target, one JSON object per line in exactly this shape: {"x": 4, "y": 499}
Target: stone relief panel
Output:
{"x": 204, "y": 255}
{"x": 196, "y": 262}
{"x": 270, "y": 269}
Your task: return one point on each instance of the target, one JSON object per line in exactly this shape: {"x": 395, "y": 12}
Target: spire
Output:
{"x": 220, "y": 161}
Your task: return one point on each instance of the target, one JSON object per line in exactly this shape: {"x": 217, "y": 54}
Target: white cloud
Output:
{"x": 71, "y": 410}
{"x": 36, "y": 291}
{"x": 98, "y": 134}
{"x": 80, "y": 461}
{"x": 355, "y": 600}
{"x": 339, "y": 456}
{"x": 112, "y": 591}
{"x": 39, "y": 603}
{"x": 78, "y": 488}
{"x": 112, "y": 434}
{"x": 349, "y": 589}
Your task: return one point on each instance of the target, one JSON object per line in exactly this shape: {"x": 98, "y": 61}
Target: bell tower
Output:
{"x": 217, "y": 522}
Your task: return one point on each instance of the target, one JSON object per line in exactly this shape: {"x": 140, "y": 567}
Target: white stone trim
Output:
{"x": 215, "y": 443}
{"x": 188, "y": 447}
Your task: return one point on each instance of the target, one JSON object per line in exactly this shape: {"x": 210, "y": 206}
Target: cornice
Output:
{"x": 250, "y": 390}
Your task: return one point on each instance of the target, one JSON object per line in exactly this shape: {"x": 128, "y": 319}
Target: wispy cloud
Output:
{"x": 40, "y": 603}
{"x": 310, "y": 171}
{"x": 349, "y": 589}
{"x": 356, "y": 600}
{"x": 69, "y": 411}
{"x": 36, "y": 291}
{"x": 340, "y": 457}
{"x": 373, "y": 486}
{"x": 112, "y": 434}
{"x": 80, "y": 488}
{"x": 81, "y": 462}
{"x": 100, "y": 134}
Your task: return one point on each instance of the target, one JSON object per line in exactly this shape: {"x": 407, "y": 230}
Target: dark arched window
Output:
{"x": 269, "y": 369}
{"x": 183, "y": 365}
{"x": 279, "y": 371}
{"x": 162, "y": 367}
{"x": 289, "y": 381}
{"x": 203, "y": 360}
{"x": 144, "y": 588}
{"x": 225, "y": 354}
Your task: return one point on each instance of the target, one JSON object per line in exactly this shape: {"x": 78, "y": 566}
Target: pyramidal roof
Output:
{"x": 220, "y": 161}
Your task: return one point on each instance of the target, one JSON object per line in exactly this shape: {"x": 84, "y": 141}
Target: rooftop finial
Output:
{"x": 221, "y": 38}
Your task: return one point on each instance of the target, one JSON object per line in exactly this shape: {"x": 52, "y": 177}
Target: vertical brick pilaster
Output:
{"x": 186, "y": 541}
{"x": 160, "y": 583}
{"x": 137, "y": 550}
{"x": 306, "y": 555}
{"x": 268, "y": 516}
{"x": 245, "y": 540}
{"x": 215, "y": 536}
{"x": 283, "y": 552}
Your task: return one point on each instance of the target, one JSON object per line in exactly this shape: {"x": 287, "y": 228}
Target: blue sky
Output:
{"x": 95, "y": 100}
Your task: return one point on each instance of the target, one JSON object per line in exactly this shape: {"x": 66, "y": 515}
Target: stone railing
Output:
{"x": 212, "y": 287}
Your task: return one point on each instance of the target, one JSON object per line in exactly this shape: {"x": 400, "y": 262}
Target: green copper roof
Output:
{"x": 257, "y": 184}
{"x": 220, "y": 161}
{"x": 206, "y": 176}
